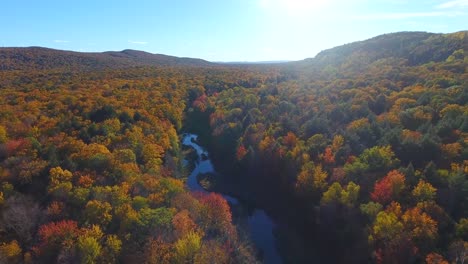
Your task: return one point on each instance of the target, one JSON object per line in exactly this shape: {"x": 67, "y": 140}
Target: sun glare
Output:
{"x": 295, "y": 7}
{"x": 304, "y": 5}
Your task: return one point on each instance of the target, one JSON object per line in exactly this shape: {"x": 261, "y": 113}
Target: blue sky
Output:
{"x": 220, "y": 30}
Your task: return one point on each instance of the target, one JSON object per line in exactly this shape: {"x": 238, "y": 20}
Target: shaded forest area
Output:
{"x": 362, "y": 150}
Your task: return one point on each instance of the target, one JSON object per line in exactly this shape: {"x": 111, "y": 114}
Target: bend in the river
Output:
{"x": 260, "y": 225}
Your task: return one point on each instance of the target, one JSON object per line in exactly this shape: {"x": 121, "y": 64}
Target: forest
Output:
{"x": 359, "y": 154}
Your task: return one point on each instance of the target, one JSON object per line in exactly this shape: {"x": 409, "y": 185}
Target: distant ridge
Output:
{"x": 253, "y": 62}
{"x": 412, "y": 47}
{"x": 39, "y": 58}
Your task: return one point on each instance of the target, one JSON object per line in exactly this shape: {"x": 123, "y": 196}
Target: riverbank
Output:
{"x": 254, "y": 221}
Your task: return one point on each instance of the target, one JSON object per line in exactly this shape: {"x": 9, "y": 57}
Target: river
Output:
{"x": 258, "y": 224}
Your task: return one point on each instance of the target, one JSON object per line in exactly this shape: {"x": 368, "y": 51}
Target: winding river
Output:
{"x": 258, "y": 224}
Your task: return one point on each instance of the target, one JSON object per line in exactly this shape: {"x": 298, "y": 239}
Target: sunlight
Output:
{"x": 295, "y": 7}
{"x": 302, "y": 6}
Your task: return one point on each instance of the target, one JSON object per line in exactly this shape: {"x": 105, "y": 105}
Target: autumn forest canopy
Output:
{"x": 360, "y": 154}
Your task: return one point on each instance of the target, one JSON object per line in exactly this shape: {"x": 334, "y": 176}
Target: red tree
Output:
{"x": 328, "y": 156}
{"x": 241, "y": 152}
{"x": 389, "y": 187}
{"x": 218, "y": 213}
{"x": 54, "y": 235}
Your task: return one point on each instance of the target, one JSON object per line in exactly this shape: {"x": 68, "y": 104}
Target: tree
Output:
{"x": 55, "y": 210}
{"x": 388, "y": 188}
{"x": 125, "y": 156}
{"x": 333, "y": 194}
{"x": 89, "y": 249}
{"x": 60, "y": 182}
{"x": 451, "y": 151}
{"x": 434, "y": 258}
{"x": 424, "y": 191}
{"x": 187, "y": 247}
{"x": 350, "y": 195}
{"x": 85, "y": 181}
{"x": 157, "y": 251}
{"x": 290, "y": 140}
{"x": 337, "y": 143}
{"x": 328, "y": 156}
{"x": 97, "y": 212}
{"x": 3, "y": 135}
{"x": 152, "y": 152}
{"x": 217, "y": 215}
{"x": 241, "y": 152}
{"x": 316, "y": 144}
{"x": 28, "y": 170}
{"x": 183, "y": 223}
{"x": 386, "y": 228}
{"x": 10, "y": 252}
{"x": 389, "y": 240}
{"x": 22, "y": 216}
{"x": 311, "y": 178}
{"x": 336, "y": 194}
{"x": 374, "y": 159}
{"x": 212, "y": 252}
{"x": 371, "y": 209}
{"x": 420, "y": 226}
{"x": 56, "y": 236}
{"x": 159, "y": 218}
{"x": 461, "y": 229}
{"x": 112, "y": 248}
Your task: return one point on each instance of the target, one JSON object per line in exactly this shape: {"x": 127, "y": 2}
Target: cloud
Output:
{"x": 61, "y": 41}
{"x": 404, "y": 15}
{"x": 138, "y": 42}
{"x": 454, "y": 3}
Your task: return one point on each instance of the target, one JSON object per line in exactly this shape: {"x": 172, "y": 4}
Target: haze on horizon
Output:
{"x": 241, "y": 30}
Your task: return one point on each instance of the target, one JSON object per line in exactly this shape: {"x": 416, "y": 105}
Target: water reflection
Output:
{"x": 260, "y": 226}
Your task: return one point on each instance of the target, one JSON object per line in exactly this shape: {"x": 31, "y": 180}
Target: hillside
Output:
{"x": 341, "y": 147}
{"x": 37, "y": 58}
{"x": 414, "y": 47}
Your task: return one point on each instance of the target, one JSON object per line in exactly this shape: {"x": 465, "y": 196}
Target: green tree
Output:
{"x": 386, "y": 227}
{"x": 60, "y": 182}
{"x": 336, "y": 194}
{"x": 187, "y": 247}
{"x": 375, "y": 159}
{"x": 371, "y": 209}
{"x": 112, "y": 248}
{"x": 89, "y": 249}
{"x": 97, "y": 212}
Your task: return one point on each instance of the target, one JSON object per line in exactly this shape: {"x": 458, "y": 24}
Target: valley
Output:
{"x": 358, "y": 155}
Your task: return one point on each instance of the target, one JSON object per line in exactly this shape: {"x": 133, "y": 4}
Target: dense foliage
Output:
{"x": 91, "y": 171}
{"x": 362, "y": 151}
{"x": 370, "y": 145}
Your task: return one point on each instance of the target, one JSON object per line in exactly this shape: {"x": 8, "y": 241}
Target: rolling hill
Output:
{"x": 38, "y": 58}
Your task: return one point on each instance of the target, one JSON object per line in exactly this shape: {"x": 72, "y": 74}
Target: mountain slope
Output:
{"x": 38, "y": 58}
{"x": 415, "y": 47}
